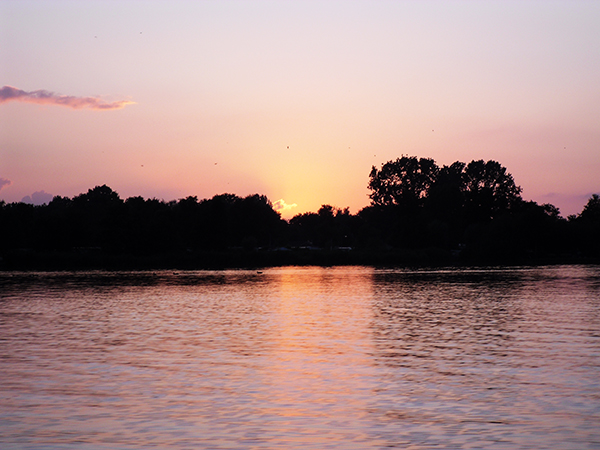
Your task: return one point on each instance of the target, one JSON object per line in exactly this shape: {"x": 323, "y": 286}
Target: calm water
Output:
{"x": 301, "y": 358}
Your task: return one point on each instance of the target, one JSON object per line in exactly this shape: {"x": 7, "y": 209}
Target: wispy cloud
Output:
{"x": 4, "y": 182}
{"x": 281, "y": 205}
{"x": 10, "y": 93}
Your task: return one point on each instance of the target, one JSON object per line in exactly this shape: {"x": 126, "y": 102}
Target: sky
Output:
{"x": 295, "y": 100}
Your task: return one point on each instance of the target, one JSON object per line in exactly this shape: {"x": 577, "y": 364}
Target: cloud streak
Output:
{"x": 42, "y": 97}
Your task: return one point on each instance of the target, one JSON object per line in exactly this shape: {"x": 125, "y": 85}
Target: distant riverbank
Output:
{"x": 96, "y": 259}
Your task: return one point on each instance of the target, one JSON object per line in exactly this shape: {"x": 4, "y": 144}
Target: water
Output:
{"x": 301, "y": 358}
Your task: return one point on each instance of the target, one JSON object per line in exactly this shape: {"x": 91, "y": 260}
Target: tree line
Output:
{"x": 419, "y": 213}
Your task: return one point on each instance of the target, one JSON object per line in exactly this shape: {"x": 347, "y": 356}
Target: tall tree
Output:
{"x": 404, "y": 182}
{"x": 489, "y": 190}
{"x": 446, "y": 196}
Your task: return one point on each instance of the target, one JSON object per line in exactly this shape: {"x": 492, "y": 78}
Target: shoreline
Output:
{"x": 29, "y": 260}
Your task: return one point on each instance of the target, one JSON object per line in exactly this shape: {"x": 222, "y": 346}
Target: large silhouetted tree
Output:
{"x": 446, "y": 196}
{"x": 489, "y": 190}
{"x": 415, "y": 203}
{"x": 404, "y": 182}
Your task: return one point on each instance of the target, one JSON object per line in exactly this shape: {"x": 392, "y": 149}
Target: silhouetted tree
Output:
{"x": 404, "y": 182}
{"x": 445, "y": 206}
{"x": 227, "y": 220}
{"x": 330, "y": 227}
{"x": 529, "y": 231}
{"x": 398, "y": 193}
{"x": 489, "y": 190}
{"x": 587, "y": 227}
{"x": 98, "y": 216}
{"x": 187, "y": 218}
{"x": 18, "y": 226}
{"x": 256, "y": 223}
{"x": 446, "y": 194}
{"x": 149, "y": 226}
{"x": 59, "y": 231}
{"x": 591, "y": 211}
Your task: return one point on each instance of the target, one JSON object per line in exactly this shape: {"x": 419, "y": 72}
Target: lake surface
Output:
{"x": 301, "y": 358}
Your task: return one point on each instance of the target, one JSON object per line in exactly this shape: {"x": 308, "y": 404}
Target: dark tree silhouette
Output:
{"x": 591, "y": 211}
{"x": 98, "y": 216}
{"x": 330, "y": 227}
{"x": 587, "y": 227}
{"x": 18, "y": 223}
{"x": 404, "y": 182}
{"x": 419, "y": 213}
{"x": 255, "y": 222}
{"x": 149, "y": 226}
{"x": 415, "y": 204}
{"x": 445, "y": 205}
{"x": 489, "y": 190}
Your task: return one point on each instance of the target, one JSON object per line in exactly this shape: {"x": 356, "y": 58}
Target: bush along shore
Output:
{"x": 420, "y": 214}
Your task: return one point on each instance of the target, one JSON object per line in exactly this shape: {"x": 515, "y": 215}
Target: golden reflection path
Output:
{"x": 321, "y": 336}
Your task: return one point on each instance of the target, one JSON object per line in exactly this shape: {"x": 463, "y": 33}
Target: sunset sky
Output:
{"x": 295, "y": 100}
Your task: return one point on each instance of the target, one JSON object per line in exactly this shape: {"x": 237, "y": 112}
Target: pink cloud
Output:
{"x": 41, "y": 97}
{"x": 4, "y": 182}
{"x": 38, "y": 198}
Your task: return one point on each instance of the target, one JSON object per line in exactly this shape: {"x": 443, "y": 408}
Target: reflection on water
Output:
{"x": 311, "y": 358}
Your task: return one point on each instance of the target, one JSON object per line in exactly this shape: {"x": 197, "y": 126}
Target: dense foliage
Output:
{"x": 419, "y": 213}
